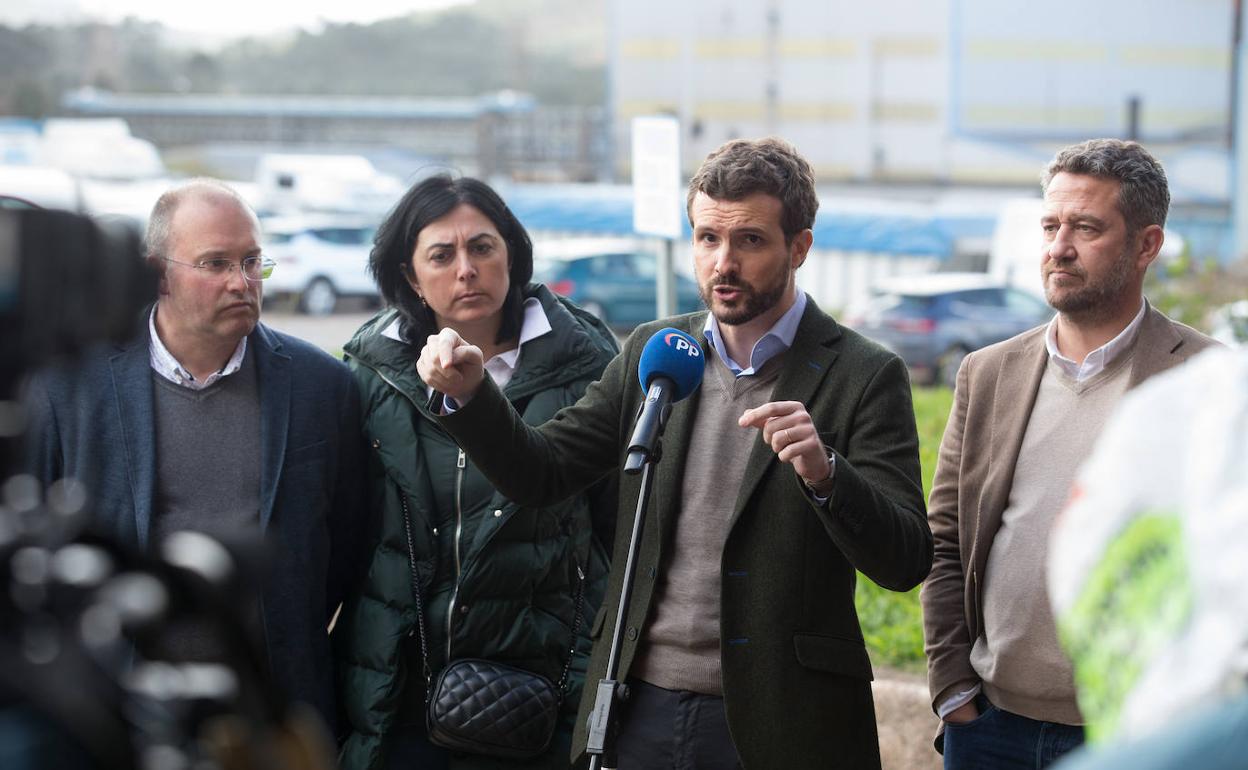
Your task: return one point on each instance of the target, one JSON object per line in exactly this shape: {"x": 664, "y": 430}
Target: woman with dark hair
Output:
{"x": 496, "y": 581}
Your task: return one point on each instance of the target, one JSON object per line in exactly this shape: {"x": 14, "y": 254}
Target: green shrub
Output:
{"x": 892, "y": 622}
{"x": 1189, "y": 290}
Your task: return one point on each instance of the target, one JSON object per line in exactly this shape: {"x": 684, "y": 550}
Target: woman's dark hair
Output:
{"x": 426, "y": 201}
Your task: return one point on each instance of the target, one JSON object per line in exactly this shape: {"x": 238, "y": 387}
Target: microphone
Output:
{"x": 670, "y": 369}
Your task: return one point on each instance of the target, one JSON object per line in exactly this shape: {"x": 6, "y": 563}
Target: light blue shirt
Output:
{"x": 778, "y": 339}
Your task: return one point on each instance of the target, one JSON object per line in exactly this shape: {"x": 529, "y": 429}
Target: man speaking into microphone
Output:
{"x": 793, "y": 465}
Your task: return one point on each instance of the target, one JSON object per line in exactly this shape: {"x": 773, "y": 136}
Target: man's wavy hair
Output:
{"x": 1143, "y": 194}
{"x": 428, "y": 200}
{"x": 738, "y": 169}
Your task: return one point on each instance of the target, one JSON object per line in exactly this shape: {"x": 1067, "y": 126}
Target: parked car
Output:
{"x": 616, "y": 286}
{"x": 319, "y": 260}
{"x": 934, "y": 320}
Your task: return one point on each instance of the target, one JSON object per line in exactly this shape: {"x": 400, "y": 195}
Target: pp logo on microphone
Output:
{"x": 682, "y": 343}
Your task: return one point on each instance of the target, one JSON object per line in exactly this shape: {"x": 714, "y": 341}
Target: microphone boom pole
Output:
{"x": 671, "y": 368}
{"x": 601, "y": 745}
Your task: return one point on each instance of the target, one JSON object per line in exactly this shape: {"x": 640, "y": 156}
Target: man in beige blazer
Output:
{"x": 1026, "y": 413}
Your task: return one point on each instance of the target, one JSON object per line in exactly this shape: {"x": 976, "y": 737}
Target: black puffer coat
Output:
{"x": 504, "y": 575}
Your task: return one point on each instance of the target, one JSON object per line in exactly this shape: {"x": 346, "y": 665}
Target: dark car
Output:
{"x": 618, "y": 287}
{"x": 932, "y": 321}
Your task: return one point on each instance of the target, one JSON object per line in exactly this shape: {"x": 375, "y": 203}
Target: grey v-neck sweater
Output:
{"x": 1017, "y": 656}
{"x": 681, "y": 640}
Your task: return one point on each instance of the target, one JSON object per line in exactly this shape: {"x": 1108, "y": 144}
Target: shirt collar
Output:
{"x": 1096, "y": 361}
{"x": 164, "y": 364}
{"x": 502, "y": 366}
{"x": 778, "y": 338}
{"x": 533, "y": 325}
{"x": 393, "y": 330}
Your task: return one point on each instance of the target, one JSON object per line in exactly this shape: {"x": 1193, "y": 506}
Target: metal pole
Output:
{"x": 601, "y": 742}
{"x": 771, "y": 88}
{"x": 665, "y": 281}
{"x": 1238, "y": 139}
{"x": 606, "y": 169}
{"x": 1133, "y": 118}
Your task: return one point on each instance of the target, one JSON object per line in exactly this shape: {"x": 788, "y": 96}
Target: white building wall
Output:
{"x": 926, "y": 90}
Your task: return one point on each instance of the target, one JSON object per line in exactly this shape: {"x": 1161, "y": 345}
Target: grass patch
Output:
{"x": 892, "y": 622}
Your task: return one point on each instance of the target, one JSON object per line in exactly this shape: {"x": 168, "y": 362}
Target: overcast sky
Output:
{"x": 216, "y": 18}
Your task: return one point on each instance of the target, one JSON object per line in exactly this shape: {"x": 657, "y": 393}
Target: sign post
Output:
{"x": 657, "y": 196}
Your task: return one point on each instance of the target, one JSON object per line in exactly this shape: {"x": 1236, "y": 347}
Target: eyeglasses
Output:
{"x": 254, "y": 268}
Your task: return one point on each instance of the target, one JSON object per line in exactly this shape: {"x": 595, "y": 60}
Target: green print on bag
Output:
{"x": 1135, "y": 602}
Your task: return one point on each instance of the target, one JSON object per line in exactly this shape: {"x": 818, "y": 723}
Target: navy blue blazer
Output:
{"x": 94, "y": 421}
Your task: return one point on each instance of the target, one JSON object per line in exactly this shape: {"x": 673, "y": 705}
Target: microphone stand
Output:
{"x": 603, "y": 720}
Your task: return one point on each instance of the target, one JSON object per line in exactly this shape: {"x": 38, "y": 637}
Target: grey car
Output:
{"x": 932, "y": 321}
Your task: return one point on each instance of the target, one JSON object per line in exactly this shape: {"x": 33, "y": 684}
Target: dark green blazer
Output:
{"x": 796, "y": 675}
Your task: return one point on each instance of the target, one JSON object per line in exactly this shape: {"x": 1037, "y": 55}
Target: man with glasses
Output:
{"x": 210, "y": 421}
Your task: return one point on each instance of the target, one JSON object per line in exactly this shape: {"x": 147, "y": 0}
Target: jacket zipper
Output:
{"x": 459, "y": 528}
{"x": 460, "y": 463}
{"x": 459, "y": 518}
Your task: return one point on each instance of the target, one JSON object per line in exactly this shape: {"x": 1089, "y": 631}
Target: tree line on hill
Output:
{"x": 463, "y": 51}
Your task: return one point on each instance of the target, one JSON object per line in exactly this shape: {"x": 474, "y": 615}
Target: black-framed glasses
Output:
{"x": 254, "y": 268}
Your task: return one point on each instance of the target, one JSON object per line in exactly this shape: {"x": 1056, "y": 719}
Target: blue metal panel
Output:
{"x": 608, "y": 210}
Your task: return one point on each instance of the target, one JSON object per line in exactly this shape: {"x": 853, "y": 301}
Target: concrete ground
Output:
{"x": 329, "y": 332}
{"x": 905, "y": 721}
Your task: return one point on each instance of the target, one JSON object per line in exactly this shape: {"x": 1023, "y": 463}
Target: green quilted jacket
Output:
{"x": 498, "y": 580}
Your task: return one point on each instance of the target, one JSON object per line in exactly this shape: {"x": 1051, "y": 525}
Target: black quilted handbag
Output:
{"x": 483, "y": 707}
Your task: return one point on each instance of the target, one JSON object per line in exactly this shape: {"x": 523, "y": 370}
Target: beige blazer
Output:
{"x": 995, "y": 392}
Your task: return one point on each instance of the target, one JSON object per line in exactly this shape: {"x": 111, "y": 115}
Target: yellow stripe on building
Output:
{"x": 730, "y": 110}
{"x": 907, "y": 112}
{"x": 993, "y": 175}
{"x": 730, "y": 48}
{"x": 1159, "y": 56}
{"x": 1032, "y": 50}
{"x": 1178, "y": 118}
{"x": 631, "y": 108}
{"x": 650, "y": 48}
{"x": 1018, "y": 116}
{"x": 908, "y": 173}
{"x": 899, "y": 46}
{"x": 817, "y": 48}
{"x": 830, "y": 112}
{"x": 830, "y": 172}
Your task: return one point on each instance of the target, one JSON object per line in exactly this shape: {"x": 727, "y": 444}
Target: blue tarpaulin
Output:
{"x": 608, "y": 210}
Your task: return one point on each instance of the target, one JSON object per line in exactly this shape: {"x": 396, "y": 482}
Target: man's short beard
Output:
{"x": 756, "y": 302}
{"x": 1095, "y": 302}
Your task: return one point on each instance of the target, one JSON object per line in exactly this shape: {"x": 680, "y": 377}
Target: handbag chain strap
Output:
{"x": 578, "y": 617}
{"x": 420, "y": 605}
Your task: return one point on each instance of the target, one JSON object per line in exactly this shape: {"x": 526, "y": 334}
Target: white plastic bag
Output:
{"x": 1148, "y": 564}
